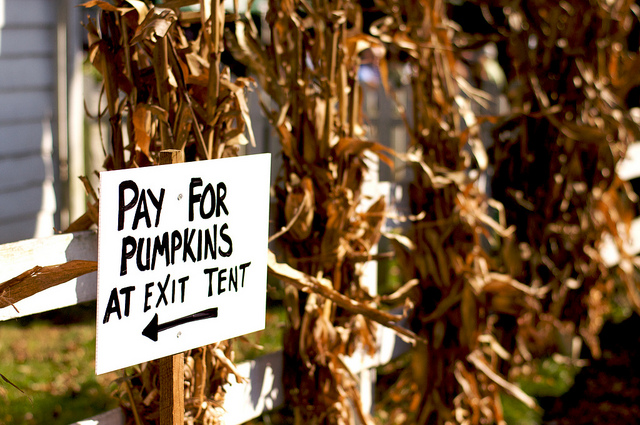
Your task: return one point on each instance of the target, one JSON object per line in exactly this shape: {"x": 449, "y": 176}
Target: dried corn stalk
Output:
{"x": 309, "y": 71}
{"x": 555, "y": 160}
{"x": 206, "y": 370}
{"x": 454, "y": 377}
{"x": 163, "y": 78}
{"x": 167, "y": 82}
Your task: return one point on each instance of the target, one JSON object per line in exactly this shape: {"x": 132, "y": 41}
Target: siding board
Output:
{"x": 28, "y": 226}
{"x": 26, "y": 202}
{"x": 26, "y": 73}
{"x": 24, "y": 171}
{"x": 26, "y": 138}
{"x": 25, "y": 42}
{"x": 27, "y": 13}
{"x": 25, "y": 106}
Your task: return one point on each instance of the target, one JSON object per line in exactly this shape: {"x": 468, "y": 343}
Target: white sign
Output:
{"x": 182, "y": 257}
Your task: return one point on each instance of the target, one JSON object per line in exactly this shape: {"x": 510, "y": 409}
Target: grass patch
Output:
{"x": 263, "y": 342}
{"x": 51, "y": 358}
{"x": 53, "y": 364}
{"x": 547, "y": 378}
{"x": 516, "y": 412}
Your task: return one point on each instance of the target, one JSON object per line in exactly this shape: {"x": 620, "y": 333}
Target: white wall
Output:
{"x": 27, "y": 113}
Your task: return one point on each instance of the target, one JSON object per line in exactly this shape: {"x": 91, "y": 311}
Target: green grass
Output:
{"x": 262, "y": 342}
{"x": 548, "y": 378}
{"x": 51, "y": 358}
{"x": 53, "y": 365}
{"x": 516, "y": 412}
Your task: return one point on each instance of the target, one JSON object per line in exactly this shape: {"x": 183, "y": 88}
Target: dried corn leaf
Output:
{"x": 104, "y": 5}
{"x": 40, "y": 278}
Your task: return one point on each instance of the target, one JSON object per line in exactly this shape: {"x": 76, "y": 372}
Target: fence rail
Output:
{"x": 18, "y": 257}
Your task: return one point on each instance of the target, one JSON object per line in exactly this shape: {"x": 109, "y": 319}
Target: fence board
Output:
{"x": 609, "y": 250}
{"x": 262, "y": 392}
{"x": 18, "y": 257}
{"x": 112, "y": 417}
{"x": 629, "y": 167}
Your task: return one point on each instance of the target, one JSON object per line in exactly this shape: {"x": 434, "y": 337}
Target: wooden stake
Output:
{"x": 171, "y": 156}
{"x": 161, "y": 64}
{"x": 172, "y": 389}
{"x": 171, "y": 367}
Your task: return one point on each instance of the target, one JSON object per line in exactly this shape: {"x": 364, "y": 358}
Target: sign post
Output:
{"x": 182, "y": 262}
{"x": 171, "y": 368}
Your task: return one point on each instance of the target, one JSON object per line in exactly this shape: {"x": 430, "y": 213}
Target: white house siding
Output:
{"x": 27, "y": 112}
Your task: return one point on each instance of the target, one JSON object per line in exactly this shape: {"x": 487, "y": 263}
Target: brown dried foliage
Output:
{"x": 442, "y": 248}
{"x": 478, "y": 312}
{"x": 168, "y": 82}
{"x": 555, "y": 165}
{"x": 309, "y": 71}
{"x": 554, "y": 157}
{"x": 206, "y": 370}
{"x": 175, "y": 98}
{"x": 163, "y": 76}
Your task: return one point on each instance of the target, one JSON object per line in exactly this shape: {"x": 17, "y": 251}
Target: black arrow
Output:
{"x": 152, "y": 329}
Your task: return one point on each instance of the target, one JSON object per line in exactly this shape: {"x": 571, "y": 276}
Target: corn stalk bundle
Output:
{"x": 206, "y": 370}
{"x": 309, "y": 72}
{"x": 555, "y": 156}
{"x": 573, "y": 65}
{"x": 163, "y": 78}
{"x": 461, "y": 291}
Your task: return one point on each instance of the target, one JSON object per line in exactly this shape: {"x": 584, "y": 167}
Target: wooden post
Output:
{"x": 172, "y": 389}
{"x": 171, "y": 367}
{"x": 171, "y": 156}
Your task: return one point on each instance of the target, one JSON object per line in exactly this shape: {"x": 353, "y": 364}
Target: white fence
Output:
{"x": 244, "y": 401}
